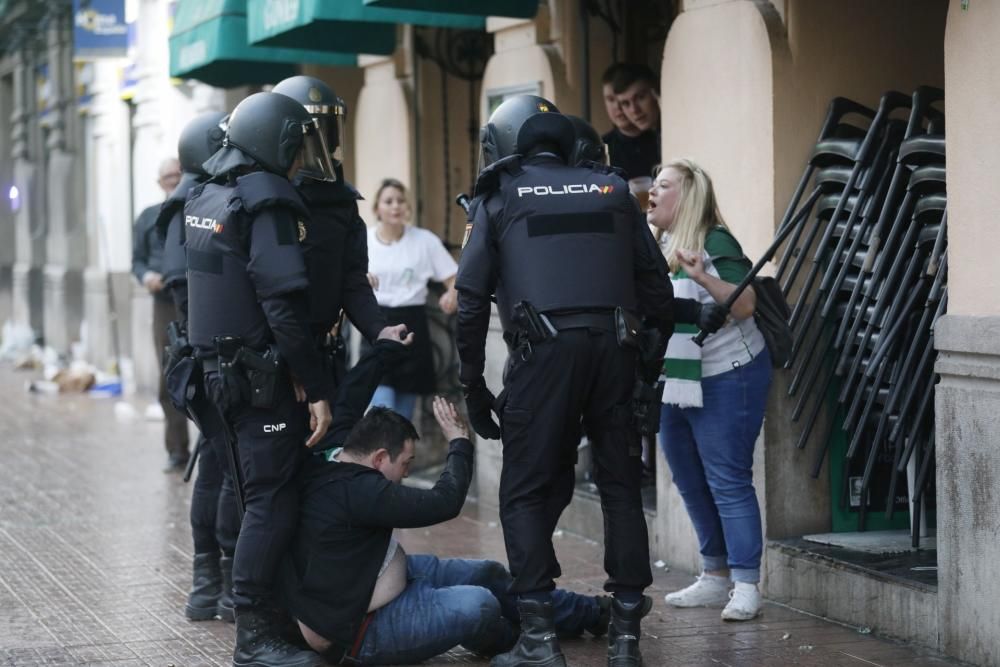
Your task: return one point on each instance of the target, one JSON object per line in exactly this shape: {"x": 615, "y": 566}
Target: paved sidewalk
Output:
{"x": 95, "y": 553}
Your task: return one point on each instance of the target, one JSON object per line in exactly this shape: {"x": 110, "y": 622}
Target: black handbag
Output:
{"x": 772, "y": 315}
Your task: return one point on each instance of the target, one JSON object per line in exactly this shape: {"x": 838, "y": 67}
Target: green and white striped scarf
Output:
{"x": 682, "y": 365}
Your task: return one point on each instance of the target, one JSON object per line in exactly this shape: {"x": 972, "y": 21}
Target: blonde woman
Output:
{"x": 714, "y": 396}
{"x": 403, "y": 259}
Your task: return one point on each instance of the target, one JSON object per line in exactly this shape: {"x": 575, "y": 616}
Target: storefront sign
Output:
{"x": 99, "y": 29}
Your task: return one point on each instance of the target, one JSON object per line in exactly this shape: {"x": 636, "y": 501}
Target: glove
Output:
{"x": 479, "y": 401}
{"x": 711, "y": 317}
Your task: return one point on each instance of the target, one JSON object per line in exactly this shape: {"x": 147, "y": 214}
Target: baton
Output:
{"x": 731, "y": 299}
{"x": 463, "y": 201}
{"x": 193, "y": 459}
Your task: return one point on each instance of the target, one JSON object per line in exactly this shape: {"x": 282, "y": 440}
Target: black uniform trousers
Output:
{"x": 581, "y": 379}
{"x": 215, "y": 518}
{"x": 271, "y": 450}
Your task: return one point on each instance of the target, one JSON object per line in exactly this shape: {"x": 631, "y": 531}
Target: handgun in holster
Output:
{"x": 262, "y": 373}
{"x": 648, "y": 389}
{"x": 235, "y": 388}
{"x": 534, "y": 325}
{"x": 177, "y": 347}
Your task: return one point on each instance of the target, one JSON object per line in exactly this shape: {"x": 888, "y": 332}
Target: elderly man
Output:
{"x": 147, "y": 257}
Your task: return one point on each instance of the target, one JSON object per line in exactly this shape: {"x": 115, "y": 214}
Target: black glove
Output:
{"x": 479, "y": 401}
{"x": 711, "y": 317}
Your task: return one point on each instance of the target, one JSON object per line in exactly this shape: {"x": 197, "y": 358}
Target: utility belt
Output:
{"x": 247, "y": 376}
{"x": 533, "y": 327}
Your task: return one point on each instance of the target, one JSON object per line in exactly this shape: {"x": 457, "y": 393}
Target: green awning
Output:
{"x": 209, "y": 43}
{"x": 342, "y": 25}
{"x": 512, "y": 8}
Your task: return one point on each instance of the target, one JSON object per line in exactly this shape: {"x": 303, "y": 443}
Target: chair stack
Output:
{"x": 874, "y": 229}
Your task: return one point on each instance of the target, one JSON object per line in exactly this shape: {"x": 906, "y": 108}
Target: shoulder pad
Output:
{"x": 261, "y": 189}
{"x": 354, "y": 191}
{"x": 175, "y": 202}
{"x": 602, "y": 168}
{"x": 489, "y": 178}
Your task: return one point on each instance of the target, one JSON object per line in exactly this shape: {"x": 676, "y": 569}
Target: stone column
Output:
{"x": 29, "y": 220}
{"x": 6, "y": 203}
{"x": 66, "y": 241}
{"x": 107, "y": 279}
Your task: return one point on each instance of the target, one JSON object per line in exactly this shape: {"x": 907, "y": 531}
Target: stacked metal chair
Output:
{"x": 874, "y": 231}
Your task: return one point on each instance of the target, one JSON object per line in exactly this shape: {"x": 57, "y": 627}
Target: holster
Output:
{"x": 535, "y": 326}
{"x": 247, "y": 376}
{"x": 334, "y": 353}
{"x": 262, "y": 374}
{"x": 627, "y": 328}
{"x": 181, "y": 370}
{"x": 646, "y": 406}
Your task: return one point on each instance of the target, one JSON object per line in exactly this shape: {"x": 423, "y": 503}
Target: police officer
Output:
{"x": 248, "y": 321}
{"x": 215, "y": 521}
{"x": 587, "y": 145}
{"x": 334, "y": 240}
{"x": 573, "y": 266}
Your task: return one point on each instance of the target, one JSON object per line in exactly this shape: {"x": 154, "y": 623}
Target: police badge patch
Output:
{"x": 302, "y": 231}
{"x": 468, "y": 231}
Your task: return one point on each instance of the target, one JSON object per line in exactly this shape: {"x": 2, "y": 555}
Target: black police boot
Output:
{"x": 537, "y": 646}
{"x": 224, "y": 607}
{"x": 259, "y": 642}
{"x": 624, "y": 633}
{"x": 600, "y": 626}
{"x": 206, "y": 587}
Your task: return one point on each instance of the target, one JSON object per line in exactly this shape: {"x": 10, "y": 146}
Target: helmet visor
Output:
{"x": 332, "y": 122}
{"x": 317, "y": 162}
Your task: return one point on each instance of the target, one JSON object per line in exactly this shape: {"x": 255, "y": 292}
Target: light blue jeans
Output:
{"x": 452, "y": 602}
{"x": 398, "y": 401}
{"x": 710, "y": 453}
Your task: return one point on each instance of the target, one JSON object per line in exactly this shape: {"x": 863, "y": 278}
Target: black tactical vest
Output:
{"x": 170, "y": 227}
{"x": 333, "y": 211}
{"x": 565, "y": 239}
{"x": 222, "y": 299}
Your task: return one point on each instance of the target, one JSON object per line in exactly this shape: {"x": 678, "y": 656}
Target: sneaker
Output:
{"x": 744, "y": 603}
{"x": 708, "y": 591}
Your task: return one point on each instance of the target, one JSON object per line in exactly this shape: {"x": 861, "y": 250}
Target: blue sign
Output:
{"x": 99, "y": 29}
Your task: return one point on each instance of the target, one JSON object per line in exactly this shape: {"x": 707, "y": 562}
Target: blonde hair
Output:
{"x": 697, "y": 211}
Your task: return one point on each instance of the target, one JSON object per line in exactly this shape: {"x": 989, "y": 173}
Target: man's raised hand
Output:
{"x": 449, "y": 420}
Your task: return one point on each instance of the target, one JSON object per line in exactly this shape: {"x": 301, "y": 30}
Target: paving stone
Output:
{"x": 95, "y": 557}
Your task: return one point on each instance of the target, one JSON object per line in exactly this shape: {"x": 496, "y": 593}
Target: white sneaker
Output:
{"x": 744, "y": 603}
{"x": 708, "y": 591}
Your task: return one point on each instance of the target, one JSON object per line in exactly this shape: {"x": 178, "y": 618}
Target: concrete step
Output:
{"x": 818, "y": 580}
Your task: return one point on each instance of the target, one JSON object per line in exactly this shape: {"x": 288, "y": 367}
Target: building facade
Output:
{"x": 744, "y": 88}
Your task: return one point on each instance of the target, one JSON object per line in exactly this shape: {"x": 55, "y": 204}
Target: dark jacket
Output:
{"x": 335, "y": 245}
{"x": 147, "y": 248}
{"x": 348, "y": 513}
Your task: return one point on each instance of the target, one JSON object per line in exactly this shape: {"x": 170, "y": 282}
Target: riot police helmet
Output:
{"x": 272, "y": 131}
{"x": 199, "y": 140}
{"x": 522, "y": 124}
{"x": 327, "y": 109}
{"x": 588, "y": 147}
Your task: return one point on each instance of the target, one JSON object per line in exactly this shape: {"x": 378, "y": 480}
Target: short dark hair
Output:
{"x": 381, "y": 428}
{"x": 628, "y": 74}
{"x": 611, "y": 72}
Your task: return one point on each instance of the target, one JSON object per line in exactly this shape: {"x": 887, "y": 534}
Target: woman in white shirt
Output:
{"x": 403, "y": 259}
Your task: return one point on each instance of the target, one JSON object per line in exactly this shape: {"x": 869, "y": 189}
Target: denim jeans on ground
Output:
{"x": 399, "y": 401}
{"x": 451, "y": 602}
{"x": 710, "y": 452}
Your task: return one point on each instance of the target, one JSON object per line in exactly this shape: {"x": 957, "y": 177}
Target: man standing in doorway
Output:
{"x": 147, "y": 258}
{"x": 634, "y": 149}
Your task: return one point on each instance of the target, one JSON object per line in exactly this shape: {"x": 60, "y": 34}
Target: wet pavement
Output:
{"x": 95, "y": 553}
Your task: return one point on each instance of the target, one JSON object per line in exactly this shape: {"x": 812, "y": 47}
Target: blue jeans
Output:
{"x": 710, "y": 452}
{"x": 453, "y": 602}
{"x": 401, "y": 402}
